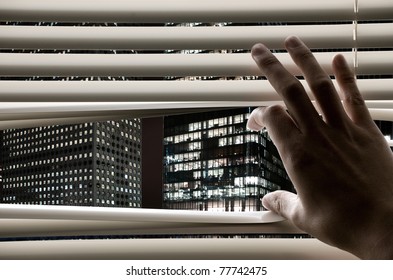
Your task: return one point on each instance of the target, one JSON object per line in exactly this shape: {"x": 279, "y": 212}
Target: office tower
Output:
{"x": 90, "y": 164}
{"x": 213, "y": 163}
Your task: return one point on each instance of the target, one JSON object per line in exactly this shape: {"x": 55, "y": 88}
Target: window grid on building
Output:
{"x": 212, "y": 162}
{"x": 90, "y": 164}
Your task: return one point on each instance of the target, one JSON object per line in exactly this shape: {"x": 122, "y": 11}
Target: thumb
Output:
{"x": 282, "y": 203}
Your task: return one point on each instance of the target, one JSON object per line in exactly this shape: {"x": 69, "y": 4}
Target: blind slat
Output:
{"x": 45, "y": 228}
{"x": 374, "y": 35}
{"x": 167, "y": 38}
{"x": 158, "y": 65}
{"x": 41, "y": 112}
{"x": 161, "y": 91}
{"x": 188, "y": 248}
{"x": 162, "y": 38}
{"x": 177, "y": 11}
{"x": 371, "y": 10}
{"x": 14, "y": 211}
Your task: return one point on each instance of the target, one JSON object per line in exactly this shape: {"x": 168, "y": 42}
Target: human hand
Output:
{"x": 340, "y": 163}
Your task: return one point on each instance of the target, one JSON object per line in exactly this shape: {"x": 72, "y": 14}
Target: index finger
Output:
{"x": 288, "y": 87}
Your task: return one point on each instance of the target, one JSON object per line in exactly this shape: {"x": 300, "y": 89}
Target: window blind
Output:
{"x": 362, "y": 30}
{"x": 84, "y": 60}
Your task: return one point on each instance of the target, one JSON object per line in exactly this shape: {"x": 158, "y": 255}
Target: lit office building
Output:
{"x": 213, "y": 163}
{"x": 91, "y": 164}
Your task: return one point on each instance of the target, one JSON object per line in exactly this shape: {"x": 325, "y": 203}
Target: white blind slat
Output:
{"x": 377, "y": 35}
{"x": 176, "y": 11}
{"x": 47, "y": 107}
{"x": 134, "y": 91}
{"x": 163, "y": 38}
{"x": 371, "y": 10}
{"x": 40, "y": 227}
{"x": 12, "y": 211}
{"x": 382, "y": 115}
{"x": 158, "y": 65}
{"x": 161, "y": 91}
{"x": 175, "y": 249}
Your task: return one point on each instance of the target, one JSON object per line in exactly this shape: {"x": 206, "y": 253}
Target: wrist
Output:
{"x": 380, "y": 237}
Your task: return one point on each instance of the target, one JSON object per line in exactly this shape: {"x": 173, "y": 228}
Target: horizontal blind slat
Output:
{"x": 188, "y": 248}
{"x": 161, "y": 91}
{"x": 163, "y": 38}
{"x": 159, "y": 65}
{"x": 176, "y": 11}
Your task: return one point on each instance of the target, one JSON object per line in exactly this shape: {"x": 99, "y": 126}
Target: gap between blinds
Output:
{"x": 59, "y": 60}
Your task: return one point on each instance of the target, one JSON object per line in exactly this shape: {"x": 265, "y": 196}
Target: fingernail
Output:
{"x": 253, "y": 126}
{"x": 340, "y": 60}
{"x": 265, "y": 203}
{"x": 293, "y": 42}
{"x": 258, "y": 50}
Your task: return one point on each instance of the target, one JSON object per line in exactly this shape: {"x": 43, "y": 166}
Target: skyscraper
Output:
{"x": 90, "y": 164}
{"x": 213, "y": 163}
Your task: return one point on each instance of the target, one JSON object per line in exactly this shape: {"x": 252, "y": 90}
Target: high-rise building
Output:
{"x": 213, "y": 163}
{"x": 90, "y": 164}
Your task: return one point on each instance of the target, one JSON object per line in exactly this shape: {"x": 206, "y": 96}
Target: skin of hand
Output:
{"x": 339, "y": 163}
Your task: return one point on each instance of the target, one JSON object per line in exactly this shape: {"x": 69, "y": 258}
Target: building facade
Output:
{"x": 90, "y": 164}
{"x": 213, "y": 163}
